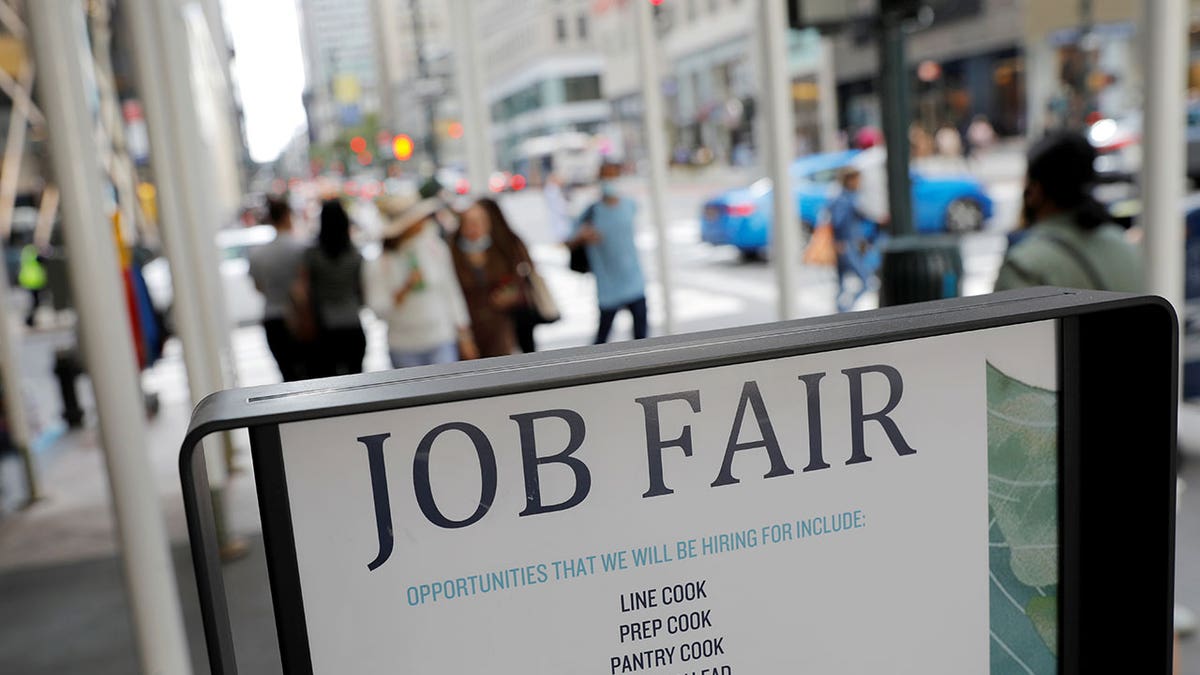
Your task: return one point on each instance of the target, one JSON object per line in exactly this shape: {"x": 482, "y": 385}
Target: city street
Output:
{"x": 59, "y": 555}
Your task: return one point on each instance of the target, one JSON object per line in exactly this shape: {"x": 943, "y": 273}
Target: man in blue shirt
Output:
{"x": 606, "y": 230}
{"x": 851, "y": 236}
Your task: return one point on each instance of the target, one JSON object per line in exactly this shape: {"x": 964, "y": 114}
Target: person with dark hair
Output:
{"x": 853, "y": 239}
{"x": 493, "y": 265}
{"x": 606, "y": 231}
{"x": 525, "y": 316}
{"x": 334, "y": 269}
{"x": 1069, "y": 240}
{"x": 274, "y": 268}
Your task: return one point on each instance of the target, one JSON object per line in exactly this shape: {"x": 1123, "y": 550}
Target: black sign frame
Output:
{"x": 1118, "y": 375}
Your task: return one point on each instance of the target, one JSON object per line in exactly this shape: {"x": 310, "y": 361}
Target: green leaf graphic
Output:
{"x": 1043, "y": 612}
{"x": 1023, "y": 529}
{"x": 1023, "y": 474}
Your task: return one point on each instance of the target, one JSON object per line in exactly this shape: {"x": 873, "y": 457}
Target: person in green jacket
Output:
{"x": 32, "y": 277}
{"x": 1068, "y": 238}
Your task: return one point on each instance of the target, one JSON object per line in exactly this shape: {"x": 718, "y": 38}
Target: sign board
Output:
{"x": 895, "y": 491}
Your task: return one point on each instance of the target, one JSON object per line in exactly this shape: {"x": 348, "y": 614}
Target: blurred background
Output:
{"x": 143, "y": 141}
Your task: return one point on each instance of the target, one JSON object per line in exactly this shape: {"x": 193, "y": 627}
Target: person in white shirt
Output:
{"x": 412, "y": 287}
{"x": 558, "y": 206}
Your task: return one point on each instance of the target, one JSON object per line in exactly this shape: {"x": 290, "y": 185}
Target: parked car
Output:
{"x": 742, "y": 217}
{"x": 1118, "y": 141}
{"x": 243, "y": 303}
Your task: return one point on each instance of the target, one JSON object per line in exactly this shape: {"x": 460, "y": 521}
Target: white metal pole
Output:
{"x": 60, "y": 45}
{"x": 189, "y": 319}
{"x": 1165, "y": 24}
{"x": 827, "y": 104}
{"x": 481, "y": 159}
{"x": 656, "y": 152}
{"x": 197, "y": 182}
{"x": 10, "y": 351}
{"x": 189, "y": 213}
{"x": 779, "y": 143}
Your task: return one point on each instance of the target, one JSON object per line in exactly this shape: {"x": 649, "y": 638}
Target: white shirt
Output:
{"x": 430, "y": 316}
{"x": 560, "y": 217}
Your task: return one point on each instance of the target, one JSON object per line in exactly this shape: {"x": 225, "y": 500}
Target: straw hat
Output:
{"x": 402, "y": 212}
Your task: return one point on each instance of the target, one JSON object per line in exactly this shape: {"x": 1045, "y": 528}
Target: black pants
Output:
{"x": 524, "y": 320}
{"x": 340, "y": 351}
{"x": 283, "y": 347}
{"x": 640, "y": 325}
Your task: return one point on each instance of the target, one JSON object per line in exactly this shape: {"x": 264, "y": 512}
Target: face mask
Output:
{"x": 478, "y": 246}
{"x": 608, "y": 189}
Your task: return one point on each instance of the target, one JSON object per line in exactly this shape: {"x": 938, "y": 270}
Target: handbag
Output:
{"x": 300, "y": 316}
{"x": 821, "y": 250}
{"x": 579, "y": 259}
{"x": 541, "y": 301}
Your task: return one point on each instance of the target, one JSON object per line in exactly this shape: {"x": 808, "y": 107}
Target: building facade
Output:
{"x": 543, "y": 69}
{"x": 340, "y": 65}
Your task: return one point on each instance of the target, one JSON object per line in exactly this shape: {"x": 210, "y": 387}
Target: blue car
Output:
{"x": 742, "y": 217}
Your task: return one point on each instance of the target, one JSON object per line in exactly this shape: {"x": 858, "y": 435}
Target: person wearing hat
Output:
{"x": 412, "y": 287}
{"x": 851, "y": 236}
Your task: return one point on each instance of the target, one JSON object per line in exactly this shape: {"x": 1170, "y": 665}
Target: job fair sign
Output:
{"x": 765, "y": 517}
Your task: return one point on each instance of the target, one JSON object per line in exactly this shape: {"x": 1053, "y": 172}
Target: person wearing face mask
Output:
{"x": 606, "y": 230}
{"x": 489, "y": 260}
{"x": 412, "y": 287}
{"x": 1067, "y": 239}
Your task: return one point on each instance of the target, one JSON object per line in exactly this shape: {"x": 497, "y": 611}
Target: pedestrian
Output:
{"x": 31, "y": 275}
{"x": 919, "y": 140}
{"x": 558, "y": 207}
{"x": 981, "y": 136}
{"x": 413, "y": 288}
{"x": 1069, "y": 240}
{"x": 606, "y": 231}
{"x": 274, "y": 268}
{"x": 852, "y": 236}
{"x": 948, "y": 142}
{"x": 489, "y": 259}
{"x": 334, "y": 272}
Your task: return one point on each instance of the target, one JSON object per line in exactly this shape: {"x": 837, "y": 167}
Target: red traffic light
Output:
{"x": 454, "y": 130}
{"x": 358, "y": 145}
{"x": 402, "y": 147}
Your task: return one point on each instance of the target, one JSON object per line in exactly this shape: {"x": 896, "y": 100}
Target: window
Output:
{"x": 713, "y": 7}
{"x": 560, "y": 28}
{"x": 691, "y": 10}
{"x": 583, "y": 26}
{"x": 582, "y": 88}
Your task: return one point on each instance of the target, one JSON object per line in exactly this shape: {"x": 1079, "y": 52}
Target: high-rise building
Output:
{"x": 543, "y": 67}
{"x": 340, "y": 64}
{"x": 418, "y": 72}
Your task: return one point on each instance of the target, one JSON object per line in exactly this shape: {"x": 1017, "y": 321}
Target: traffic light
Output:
{"x": 454, "y": 130}
{"x": 402, "y": 147}
{"x": 358, "y": 145}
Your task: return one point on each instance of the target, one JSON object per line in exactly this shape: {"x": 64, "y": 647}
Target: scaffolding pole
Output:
{"x": 656, "y": 154}
{"x": 67, "y": 88}
{"x": 779, "y": 135}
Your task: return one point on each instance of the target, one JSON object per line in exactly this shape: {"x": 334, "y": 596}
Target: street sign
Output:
{"x": 934, "y": 488}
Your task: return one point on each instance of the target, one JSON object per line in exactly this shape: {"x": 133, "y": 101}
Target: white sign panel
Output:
{"x": 829, "y": 513}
